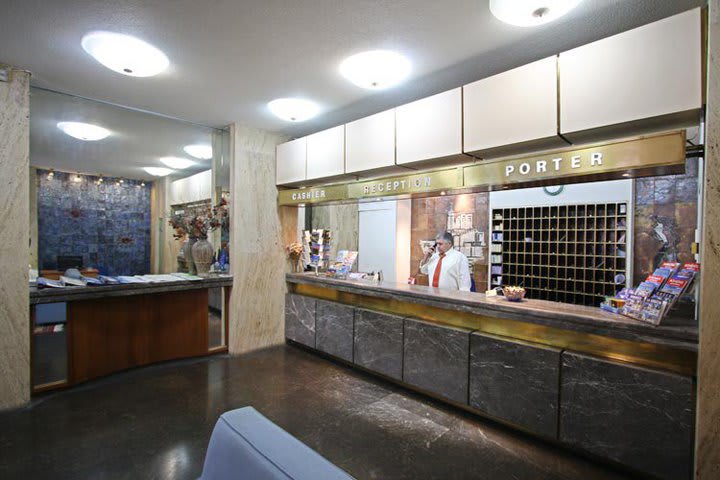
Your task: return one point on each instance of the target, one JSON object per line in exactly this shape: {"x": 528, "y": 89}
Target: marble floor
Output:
{"x": 155, "y": 422}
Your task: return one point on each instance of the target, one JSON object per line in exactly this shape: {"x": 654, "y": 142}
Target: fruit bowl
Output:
{"x": 514, "y": 294}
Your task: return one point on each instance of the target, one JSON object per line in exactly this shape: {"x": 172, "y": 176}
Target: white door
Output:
{"x": 377, "y": 238}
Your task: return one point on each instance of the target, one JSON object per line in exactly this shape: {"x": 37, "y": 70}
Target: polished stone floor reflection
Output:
{"x": 155, "y": 422}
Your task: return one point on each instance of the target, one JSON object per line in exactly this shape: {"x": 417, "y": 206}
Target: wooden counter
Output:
{"x": 116, "y": 327}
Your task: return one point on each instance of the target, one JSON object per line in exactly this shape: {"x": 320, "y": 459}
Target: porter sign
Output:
{"x": 658, "y": 154}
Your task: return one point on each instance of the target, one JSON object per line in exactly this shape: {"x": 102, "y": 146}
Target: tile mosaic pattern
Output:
{"x": 108, "y": 223}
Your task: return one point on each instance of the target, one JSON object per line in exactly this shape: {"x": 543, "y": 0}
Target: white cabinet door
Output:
{"x": 370, "y": 142}
{"x": 326, "y": 153}
{"x": 430, "y": 128}
{"x": 513, "y": 107}
{"x": 291, "y": 158}
{"x": 643, "y": 73}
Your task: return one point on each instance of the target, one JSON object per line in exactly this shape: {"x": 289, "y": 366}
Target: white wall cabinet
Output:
{"x": 291, "y": 158}
{"x": 370, "y": 143}
{"x": 326, "y": 153}
{"x": 430, "y": 128}
{"x": 510, "y": 108}
{"x": 651, "y": 71}
{"x": 191, "y": 189}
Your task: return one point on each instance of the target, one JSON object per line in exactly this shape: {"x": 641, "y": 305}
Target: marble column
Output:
{"x": 707, "y": 440}
{"x": 14, "y": 235}
{"x": 259, "y": 232}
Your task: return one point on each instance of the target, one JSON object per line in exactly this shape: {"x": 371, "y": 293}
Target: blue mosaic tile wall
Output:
{"x": 107, "y": 223}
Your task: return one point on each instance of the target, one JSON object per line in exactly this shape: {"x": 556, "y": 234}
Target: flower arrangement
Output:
{"x": 294, "y": 250}
{"x": 200, "y": 222}
{"x": 220, "y": 215}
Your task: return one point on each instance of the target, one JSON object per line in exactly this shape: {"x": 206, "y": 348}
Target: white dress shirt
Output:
{"x": 454, "y": 272}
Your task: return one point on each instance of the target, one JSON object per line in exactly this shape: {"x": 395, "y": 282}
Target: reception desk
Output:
{"x": 111, "y": 328}
{"x": 602, "y": 384}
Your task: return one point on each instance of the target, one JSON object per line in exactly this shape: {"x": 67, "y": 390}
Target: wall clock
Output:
{"x": 554, "y": 190}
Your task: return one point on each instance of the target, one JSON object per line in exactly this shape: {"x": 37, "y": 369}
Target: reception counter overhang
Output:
{"x": 671, "y": 346}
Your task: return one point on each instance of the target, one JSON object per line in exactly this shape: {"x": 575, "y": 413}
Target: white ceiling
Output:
{"x": 137, "y": 139}
{"x": 230, "y": 57}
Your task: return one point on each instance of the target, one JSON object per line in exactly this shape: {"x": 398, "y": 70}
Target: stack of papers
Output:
{"x": 128, "y": 279}
{"x": 158, "y": 278}
{"x": 186, "y": 276}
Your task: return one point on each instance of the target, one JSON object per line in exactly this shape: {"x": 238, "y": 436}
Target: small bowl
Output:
{"x": 514, "y": 296}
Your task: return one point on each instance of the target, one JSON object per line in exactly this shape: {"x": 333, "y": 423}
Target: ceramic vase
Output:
{"x": 187, "y": 252}
{"x": 202, "y": 254}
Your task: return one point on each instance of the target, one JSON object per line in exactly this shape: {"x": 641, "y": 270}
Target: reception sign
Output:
{"x": 419, "y": 183}
{"x": 650, "y": 155}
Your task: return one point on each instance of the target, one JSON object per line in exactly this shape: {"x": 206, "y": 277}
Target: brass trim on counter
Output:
{"x": 629, "y": 351}
{"x": 656, "y": 154}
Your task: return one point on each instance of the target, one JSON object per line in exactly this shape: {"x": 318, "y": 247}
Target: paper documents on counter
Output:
{"x": 129, "y": 279}
{"x": 72, "y": 281}
{"x": 158, "y": 278}
{"x": 186, "y": 276}
{"x": 46, "y": 282}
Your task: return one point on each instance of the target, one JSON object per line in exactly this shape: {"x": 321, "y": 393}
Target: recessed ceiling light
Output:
{"x": 376, "y": 69}
{"x": 83, "y": 131}
{"x": 203, "y": 152}
{"x": 158, "y": 171}
{"x": 125, "y": 54}
{"x": 528, "y": 13}
{"x": 293, "y": 109}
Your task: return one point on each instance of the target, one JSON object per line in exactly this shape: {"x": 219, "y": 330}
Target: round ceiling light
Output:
{"x": 528, "y": 13}
{"x": 293, "y": 109}
{"x": 125, "y": 54}
{"x": 158, "y": 171}
{"x": 83, "y": 131}
{"x": 177, "y": 162}
{"x": 376, "y": 69}
{"x": 202, "y": 152}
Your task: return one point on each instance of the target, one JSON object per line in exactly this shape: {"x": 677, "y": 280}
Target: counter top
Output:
{"x": 674, "y": 332}
{"x": 68, "y": 294}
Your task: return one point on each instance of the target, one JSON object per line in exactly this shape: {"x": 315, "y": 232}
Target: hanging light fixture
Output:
{"x": 158, "y": 171}
{"x": 529, "y": 13}
{"x": 83, "y": 131}
{"x": 376, "y": 69}
{"x": 125, "y": 54}
{"x": 293, "y": 109}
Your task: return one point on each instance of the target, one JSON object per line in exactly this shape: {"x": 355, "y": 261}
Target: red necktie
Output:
{"x": 436, "y": 275}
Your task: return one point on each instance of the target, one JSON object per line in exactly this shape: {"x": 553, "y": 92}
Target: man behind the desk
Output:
{"x": 446, "y": 267}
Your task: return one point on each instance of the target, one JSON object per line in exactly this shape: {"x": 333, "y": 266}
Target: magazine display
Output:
{"x": 342, "y": 265}
{"x": 317, "y": 244}
{"x": 653, "y": 298}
